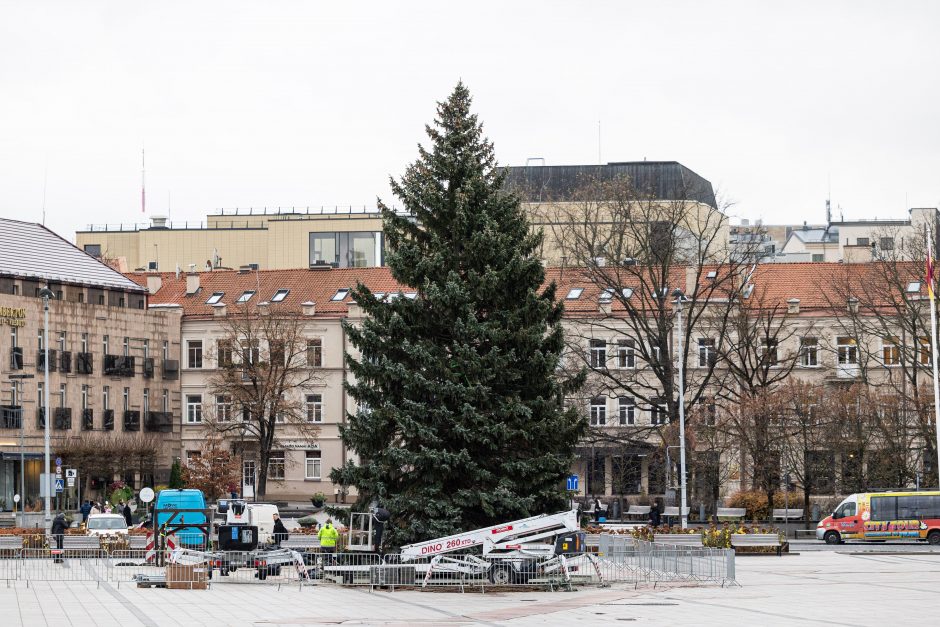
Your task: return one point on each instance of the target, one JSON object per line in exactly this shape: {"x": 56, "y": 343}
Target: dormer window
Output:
{"x": 279, "y": 296}
{"x": 913, "y": 287}
{"x": 246, "y": 296}
{"x": 215, "y": 298}
{"x": 340, "y": 295}
{"x": 711, "y": 274}
{"x": 574, "y": 293}
{"x": 748, "y": 290}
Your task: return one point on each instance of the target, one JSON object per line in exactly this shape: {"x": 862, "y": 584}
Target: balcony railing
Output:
{"x": 159, "y": 422}
{"x": 62, "y": 418}
{"x": 108, "y": 420}
{"x": 84, "y": 363}
{"x": 131, "y": 420}
{"x": 41, "y": 360}
{"x": 148, "y": 367}
{"x": 119, "y": 365}
{"x": 88, "y": 419}
{"x": 65, "y": 361}
{"x": 11, "y": 416}
{"x": 16, "y": 358}
{"x": 171, "y": 368}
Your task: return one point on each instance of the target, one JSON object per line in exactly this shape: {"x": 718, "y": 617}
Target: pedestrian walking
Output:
{"x": 95, "y": 508}
{"x": 59, "y": 525}
{"x": 597, "y": 510}
{"x": 126, "y": 510}
{"x": 85, "y": 509}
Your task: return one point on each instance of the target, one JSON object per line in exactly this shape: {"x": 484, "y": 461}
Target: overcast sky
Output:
{"x": 274, "y": 103}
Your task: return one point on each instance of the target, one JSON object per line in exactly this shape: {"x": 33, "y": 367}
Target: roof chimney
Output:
{"x": 309, "y": 308}
{"x": 192, "y": 283}
{"x": 154, "y": 283}
{"x": 219, "y": 309}
{"x": 793, "y": 306}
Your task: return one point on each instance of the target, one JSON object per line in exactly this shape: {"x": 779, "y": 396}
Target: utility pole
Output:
{"x": 683, "y": 515}
{"x": 45, "y": 293}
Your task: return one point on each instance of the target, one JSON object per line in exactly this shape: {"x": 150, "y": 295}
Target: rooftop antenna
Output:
{"x": 143, "y": 174}
{"x": 828, "y": 198}
{"x": 599, "y": 160}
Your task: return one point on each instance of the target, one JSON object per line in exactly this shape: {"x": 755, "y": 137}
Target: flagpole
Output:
{"x": 933, "y": 348}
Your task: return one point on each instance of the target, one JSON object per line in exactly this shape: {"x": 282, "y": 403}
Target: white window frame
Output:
{"x": 847, "y": 352}
{"x": 626, "y": 354}
{"x": 808, "y": 348}
{"x": 892, "y": 345}
{"x": 313, "y": 407}
{"x": 280, "y": 295}
{"x": 315, "y": 344}
{"x": 245, "y": 297}
{"x": 597, "y": 353}
{"x": 223, "y": 407}
{"x": 706, "y": 351}
{"x": 767, "y": 345}
{"x": 277, "y": 464}
{"x": 317, "y": 458}
{"x": 598, "y": 411}
{"x": 194, "y": 409}
{"x": 626, "y": 411}
{"x": 192, "y": 345}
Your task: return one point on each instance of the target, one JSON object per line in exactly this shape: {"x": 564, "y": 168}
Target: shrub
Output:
{"x": 754, "y": 503}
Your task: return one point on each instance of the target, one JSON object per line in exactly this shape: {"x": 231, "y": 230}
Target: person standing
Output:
{"x": 59, "y": 525}
{"x": 95, "y": 508}
{"x": 380, "y": 516}
{"x": 654, "y": 515}
{"x": 280, "y": 531}
{"x": 126, "y": 510}
{"x": 328, "y": 536}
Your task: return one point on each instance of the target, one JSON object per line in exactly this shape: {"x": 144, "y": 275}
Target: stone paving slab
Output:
{"x": 818, "y": 588}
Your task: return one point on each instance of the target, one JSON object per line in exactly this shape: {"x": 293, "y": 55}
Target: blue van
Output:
{"x": 182, "y": 499}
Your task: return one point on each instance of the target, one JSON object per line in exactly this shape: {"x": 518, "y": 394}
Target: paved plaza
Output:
{"x": 850, "y": 586}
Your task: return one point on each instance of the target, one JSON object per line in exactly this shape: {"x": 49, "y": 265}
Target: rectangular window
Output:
{"x": 166, "y": 349}
{"x": 14, "y": 337}
{"x": 862, "y": 241}
{"x": 626, "y": 410}
{"x": 884, "y": 508}
{"x": 84, "y": 397}
{"x": 62, "y": 395}
{"x": 809, "y": 352}
{"x": 215, "y": 298}
{"x": 924, "y": 352}
{"x": 626, "y": 357}
{"x": 41, "y": 400}
{"x": 223, "y": 350}
{"x": 246, "y": 296}
{"x": 655, "y": 351}
{"x": 890, "y": 351}
{"x": 340, "y": 295}
{"x": 127, "y": 399}
{"x": 146, "y": 349}
{"x": 279, "y": 296}
{"x": 127, "y": 347}
{"x": 598, "y": 411}
{"x": 324, "y": 248}
{"x": 194, "y": 353}
{"x": 166, "y": 401}
{"x": 847, "y": 350}
{"x": 657, "y": 414}
{"x": 106, "y": 397}
{"x": 276, "y": 466}
{"x": 887, "y": 243}
{"x": 62, "y": 341}
{"x": 315, "y": 352}
{"x": 598, "y": 354}
{"x": 362, "y": 249}
{"x": 84, "y": 342}
{"x": 312, "y": 468}
{"x": 768, "y": 351}
{"x": 574, "y": 293}
{"x": 223, "y": 407}
{"x": 314, "y": 407}
{"x": 818, "y": 258}
{"x": 706, "y": 352}
{"x": 146, "y": 401}
{"x": 194, "y": 408}
{"x": 39, "y": 343}
{"x": 104, "y": 344}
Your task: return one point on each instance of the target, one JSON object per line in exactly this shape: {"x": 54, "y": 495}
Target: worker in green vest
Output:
{"x": 328, "y": 536}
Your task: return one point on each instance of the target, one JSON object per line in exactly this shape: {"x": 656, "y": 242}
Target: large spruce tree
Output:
{"x": 460, "y": 421}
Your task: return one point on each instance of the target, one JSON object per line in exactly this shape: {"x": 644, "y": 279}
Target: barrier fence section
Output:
{"x": 619, "y": 560}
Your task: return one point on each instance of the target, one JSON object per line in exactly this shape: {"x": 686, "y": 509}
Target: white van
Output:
{"x": 105, "y": 524}
{"x": 260, "y": 515}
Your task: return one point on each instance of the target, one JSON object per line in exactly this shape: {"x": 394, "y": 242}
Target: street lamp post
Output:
{"x": 679, "y": 296}
{"x": 45, "y": 293}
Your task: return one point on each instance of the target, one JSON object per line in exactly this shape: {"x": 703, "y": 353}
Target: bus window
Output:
{"x": 909, "y": 507}
{"x": 884, "y": 507}
{"x": 927, "y": 506}
{"x": 845, "y": 510}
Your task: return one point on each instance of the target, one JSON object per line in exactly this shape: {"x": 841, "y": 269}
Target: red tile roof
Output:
{"x": 813, "y": 283}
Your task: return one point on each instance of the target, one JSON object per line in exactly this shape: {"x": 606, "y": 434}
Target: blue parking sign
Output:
{"x": 572, "y": 483}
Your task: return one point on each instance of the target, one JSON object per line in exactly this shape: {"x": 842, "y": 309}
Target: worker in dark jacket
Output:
{"x": 59, "y": 525}
{"x": 280, "y": 531}
{"x": 126, "y": 511}
{"x": 380, "y": 516}
{"x": 654, "y": 515}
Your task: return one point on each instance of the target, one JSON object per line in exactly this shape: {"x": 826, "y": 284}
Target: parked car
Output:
{"x": 104, "y": 524}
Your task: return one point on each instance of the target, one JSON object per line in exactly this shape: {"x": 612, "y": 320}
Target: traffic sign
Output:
{"x": 58, "y": 461}
{"x": 71, "y": 473}
{"x": 572, "y": 483}
{"x": 146, "y": 495}
{"x": 58, "y": 485}
{"x": 70, "y": 481}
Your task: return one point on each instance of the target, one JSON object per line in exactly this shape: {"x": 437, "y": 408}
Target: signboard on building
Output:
{"x": 13, "y": 316}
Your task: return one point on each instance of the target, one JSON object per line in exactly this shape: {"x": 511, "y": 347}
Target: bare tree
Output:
{"x": 214, "y": 470}
{"x": 631, "y": 250}
{"x": 261, "y": 382}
